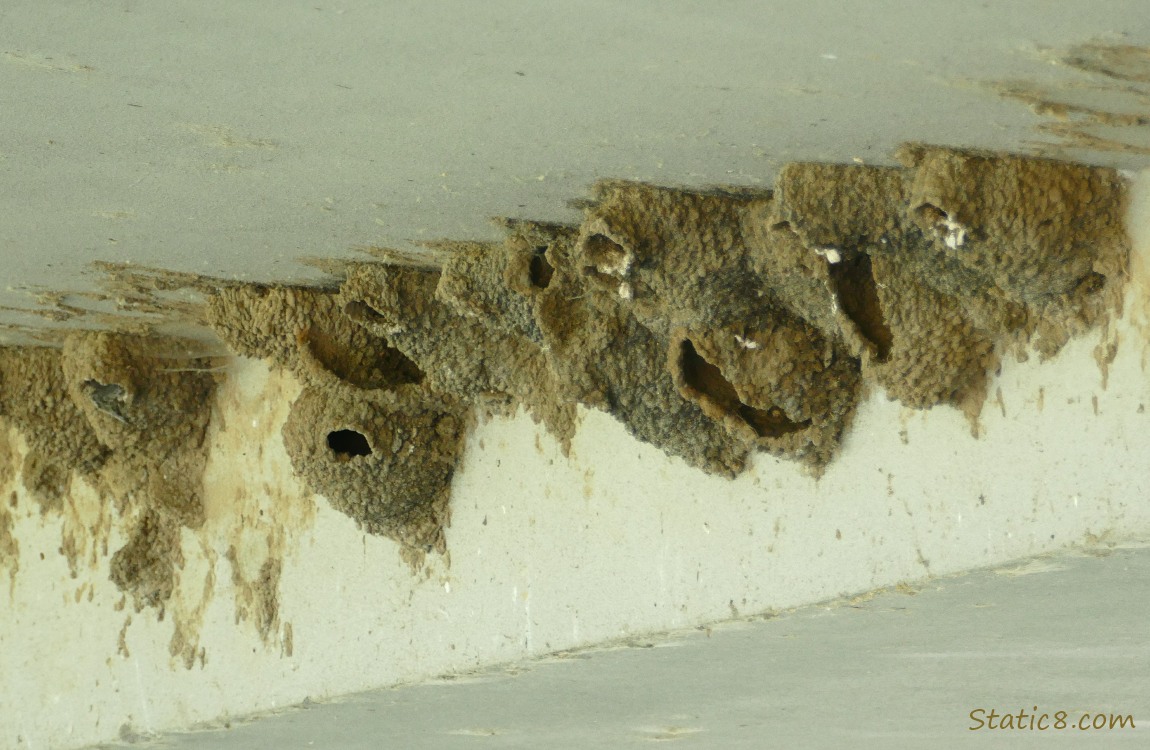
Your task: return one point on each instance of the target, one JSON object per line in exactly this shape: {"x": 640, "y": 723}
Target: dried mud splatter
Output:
{"x": 1102, "y": 109}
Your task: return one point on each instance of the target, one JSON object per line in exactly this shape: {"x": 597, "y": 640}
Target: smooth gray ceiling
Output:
{"x": 233, "y": 138}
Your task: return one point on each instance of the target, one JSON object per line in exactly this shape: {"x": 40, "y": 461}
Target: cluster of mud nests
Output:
{"x": 712, "y": 324}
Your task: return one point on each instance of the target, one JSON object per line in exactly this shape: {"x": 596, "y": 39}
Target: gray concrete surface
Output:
{"x": 235, "y": 138}
{"x": 902, "y": 669}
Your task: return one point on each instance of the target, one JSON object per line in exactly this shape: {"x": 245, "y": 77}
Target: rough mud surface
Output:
{"x": 150, "y": 414}
{"x": 34, "y": 399}
{"x": 304, "y": 331}
{"x": 385, "y": 459}
{"x": 145, "y": 567}
{"x": 711, "y": 324}
{"x": 606, "y": 359}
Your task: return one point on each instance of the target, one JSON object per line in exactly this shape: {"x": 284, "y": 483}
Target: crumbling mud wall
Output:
{"x": 115, "y": 410}
{"x": 711, "y": 324}
{"x": 34, "y": 399}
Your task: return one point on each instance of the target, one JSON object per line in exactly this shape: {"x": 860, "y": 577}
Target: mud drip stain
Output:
{"x": 712, "y": 325}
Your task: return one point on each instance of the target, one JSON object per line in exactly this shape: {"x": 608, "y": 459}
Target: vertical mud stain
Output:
{"x": 9, "y": 547}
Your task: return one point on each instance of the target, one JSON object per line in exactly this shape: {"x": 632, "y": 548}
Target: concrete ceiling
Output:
{"x": 233, "y": 139}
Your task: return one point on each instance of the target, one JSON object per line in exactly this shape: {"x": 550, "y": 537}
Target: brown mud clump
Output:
{"x": 937, "y": 268}
{"x": 783, "y": 388}
{"x": 1034, "y": 249}
{"x": 1036, "y": 230}
{"x": 465, "y": 327}
{"x": 383, "y": 458}
{"x": 672, "y": 257}
{"x": 151, "y": 413}
{"x": 305, "y": 331}
{"x": 606, "y": 359}
{"x": 60, "y": 442}
{"x": 145, "y": 567}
